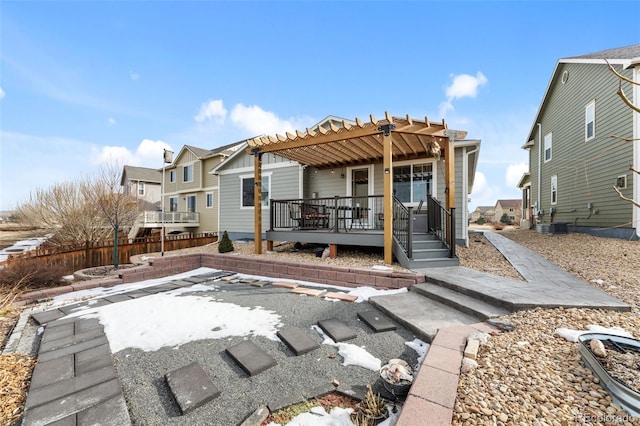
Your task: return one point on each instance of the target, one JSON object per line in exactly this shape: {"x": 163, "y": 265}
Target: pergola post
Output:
{"x": 257, "y": 200}
{"x": 450, "y": 178}
{"x": 387, "y": 201}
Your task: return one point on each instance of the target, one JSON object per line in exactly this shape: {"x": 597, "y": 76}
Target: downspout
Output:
{"x": 539, "y": 166}
{"x": 465, "y": 178}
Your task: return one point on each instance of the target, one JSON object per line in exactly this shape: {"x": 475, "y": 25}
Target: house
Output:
{"x": 512, "y": 208}
{"x": 485, "y": 212}
{"x": 189, "y": 196}
{"x": 582, "y": 142}
{"x": 144, "y": 184}
{"x": 524, "y": 184}
{"x": 346, "y": 182}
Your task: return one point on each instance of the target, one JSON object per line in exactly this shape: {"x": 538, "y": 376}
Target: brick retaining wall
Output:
{"x": 159, "y": 267}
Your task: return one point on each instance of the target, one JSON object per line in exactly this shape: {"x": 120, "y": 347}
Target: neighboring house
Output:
{"x": 581, "y": 144}
{"x": 485, "y": 212}
{"x": 330, "y": 194}
{"x": 512, "y": 208}
{"x": 189, "y": 195}
{"x": 144, "y": 184}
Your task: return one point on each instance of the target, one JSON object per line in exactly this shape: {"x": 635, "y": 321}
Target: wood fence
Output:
{"x": 72, "y": 259}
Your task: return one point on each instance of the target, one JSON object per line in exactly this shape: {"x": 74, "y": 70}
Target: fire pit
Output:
{"x": 621, "y": 393}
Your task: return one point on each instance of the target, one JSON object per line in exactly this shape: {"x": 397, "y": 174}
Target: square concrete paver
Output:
{"x": 191, "y": 387}
{"x": 297, "y": 340}
{"x": 376, "y": 321}
{"x": 337, "y": 330}
{"x": 251, "y": 358}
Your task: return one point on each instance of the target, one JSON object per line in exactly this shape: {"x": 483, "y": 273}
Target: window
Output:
{"x": 173, "y": 204}
{"x": 187, "y": 173}
{"x": 247, "y": 187}
{"x": 191, "y": 203}
{"x": 209, "y": 200}
{"x": 554, "y": 189}
{"x": 172, "y": 176}
{"x": 621, "y": 182}
{"x": 413, "y": 182}
{"x": 547, "y": 147}
{"x": 590, "y": 121}
{"x": 141, "y": 188}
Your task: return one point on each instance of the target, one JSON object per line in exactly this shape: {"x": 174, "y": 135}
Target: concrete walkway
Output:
{"x": 431, "y": 398}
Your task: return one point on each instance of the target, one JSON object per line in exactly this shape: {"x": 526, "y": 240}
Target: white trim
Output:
{"x": 185, "y": 165}
{"x": 586, "y": 116}
{"x": 636, "y": 151}
{"x": 370, "y": 188}
{"x": 177, "y": 203}
{"x": 251, "y": 176}
{"x": 544, "y": 148}
{"x": 434, "y": 174}
{"x": 553, "y": 178}
{"x": 206, "y": 199}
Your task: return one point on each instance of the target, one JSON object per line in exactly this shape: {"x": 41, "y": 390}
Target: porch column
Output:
{"x": 387, "y": 201}
{"x": 257, "y": 200}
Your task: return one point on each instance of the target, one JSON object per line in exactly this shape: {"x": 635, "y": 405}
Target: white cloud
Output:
{"x": 147, "y": 154}
{"x": 211, "y": 111}
{"x": 462, "y": 86}
{"x": 1, "y": 93}
{"x": 483, "y": 193}
{"x": 258, "y": 121}
{"x": 514, "y": 173}
{"x": 134, "y": 76}
{"x": 111, "y": 121}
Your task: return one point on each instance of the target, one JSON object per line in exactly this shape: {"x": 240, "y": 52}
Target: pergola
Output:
{"x": 387, "y": 140}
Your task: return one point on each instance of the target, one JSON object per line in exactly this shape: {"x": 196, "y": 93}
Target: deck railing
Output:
{"x": 149, "y": 217}
{"x": 331, "y": 214}
{"x": 403, "y": 226}
{"x": 442, "y": 223}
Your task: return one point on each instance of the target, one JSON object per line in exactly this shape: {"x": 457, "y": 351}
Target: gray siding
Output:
{"x": 586, "y": 170}
{"x": 236, "y": 220}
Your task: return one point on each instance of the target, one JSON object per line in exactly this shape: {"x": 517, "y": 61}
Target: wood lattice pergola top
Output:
{"x": 359, "y": 143}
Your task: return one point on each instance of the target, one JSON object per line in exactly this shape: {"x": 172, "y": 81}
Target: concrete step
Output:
{"x": 432, "y": 263}
{"x": 467, "y": 304}
{"x": 423, "y": 316}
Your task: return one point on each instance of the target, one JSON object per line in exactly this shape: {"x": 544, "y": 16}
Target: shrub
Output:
{"x": 498, "y": 226}
{"x": 480, "y": 220}
{"x": 225, "y": 245}
{"x": 505, "y": 219}
{"x": 22, "y": 275}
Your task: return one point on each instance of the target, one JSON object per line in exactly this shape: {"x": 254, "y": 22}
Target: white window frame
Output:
{"x": 554, "y": 190}
{"x": 623, "y": 179}
{"x": 265, "y": 200}
{"x": 434, "y": 178}
{"x": 172, "y": 203}
{"x": 141, "y": 189}
{"x": 172, "y": 176}
{"x": 184, "y": 171}
{"x": 590, "y": 117}
{"x": 209, "y": 200}
{"x": 548, "y": 146}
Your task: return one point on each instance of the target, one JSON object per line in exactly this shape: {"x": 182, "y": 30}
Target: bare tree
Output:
{"x": 630, "y": 104}
{"x": 82, "y": 212}
{"x": 118, "y": 207}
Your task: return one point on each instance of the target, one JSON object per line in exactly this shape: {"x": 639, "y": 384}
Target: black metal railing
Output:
{"x": 442, "y": 223}
{"x": 402, "y": 226}
{"x": 330, "y": 214}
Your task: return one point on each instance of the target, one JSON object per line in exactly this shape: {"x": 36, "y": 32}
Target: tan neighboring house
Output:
{"x": 189, "y": 198}
{"x": 144, "y": 184}
{"x": 485, "y": 212}
{"x": 512, "y": 208}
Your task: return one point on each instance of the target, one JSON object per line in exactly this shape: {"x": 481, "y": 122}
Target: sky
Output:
{"x": 84, "y": 85}
{"x": 160, "y": 320}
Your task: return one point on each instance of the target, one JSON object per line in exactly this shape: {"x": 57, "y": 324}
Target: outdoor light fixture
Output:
{"x": 387, "y": 171}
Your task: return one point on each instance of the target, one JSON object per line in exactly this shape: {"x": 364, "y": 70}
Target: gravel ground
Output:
{"x": 142, "y": 373}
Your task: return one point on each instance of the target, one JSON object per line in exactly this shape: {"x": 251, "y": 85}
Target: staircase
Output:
{"x": 425, "y": 308}
{"x": 427, "y": 252}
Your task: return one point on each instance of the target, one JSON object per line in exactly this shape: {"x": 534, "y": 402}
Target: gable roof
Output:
{"x": 141, "y": 174}
{"x": 483, "y": 209}
{"x": 620, "y": 55}
{"x": 202, "y": 153}
{"x": 508, "y": 203}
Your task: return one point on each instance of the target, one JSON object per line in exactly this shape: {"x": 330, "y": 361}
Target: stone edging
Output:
{"x": 159, "y": 267}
